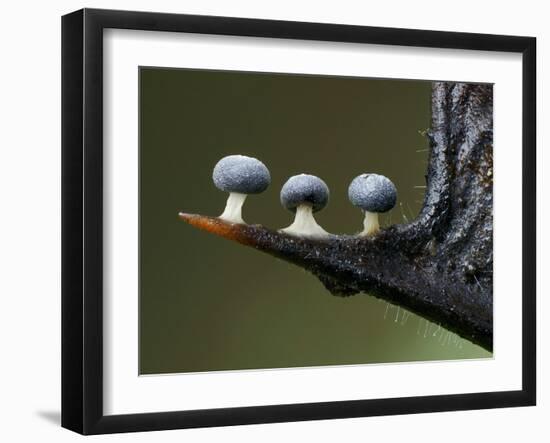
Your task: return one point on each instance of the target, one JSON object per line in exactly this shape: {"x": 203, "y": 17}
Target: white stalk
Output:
{"x": 304, "y": 224}
{"x": 371, "y": 225}
{"x": 233, "y": 208}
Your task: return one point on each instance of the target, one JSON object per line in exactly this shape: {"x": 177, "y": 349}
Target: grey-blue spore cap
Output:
{"x": 304, "y": 189}
{"x": 242, "y": 174}
{"x": 372, "y": 192}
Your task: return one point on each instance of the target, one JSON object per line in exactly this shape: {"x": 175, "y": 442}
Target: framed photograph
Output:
{"x": 268, "y": 221}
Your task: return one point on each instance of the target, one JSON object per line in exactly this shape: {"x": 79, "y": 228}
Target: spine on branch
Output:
{"x": 440, "y": 265}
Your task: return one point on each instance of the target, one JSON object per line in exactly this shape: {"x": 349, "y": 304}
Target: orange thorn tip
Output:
{"x": 215, "y": 225}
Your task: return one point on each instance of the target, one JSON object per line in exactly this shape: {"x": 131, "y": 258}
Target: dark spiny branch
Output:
{"x": 440, "y": 265}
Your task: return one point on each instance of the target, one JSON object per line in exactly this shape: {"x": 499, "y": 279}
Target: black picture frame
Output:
{"x": 82, "y": 220}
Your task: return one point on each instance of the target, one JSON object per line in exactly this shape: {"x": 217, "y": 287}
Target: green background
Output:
{"x": 210, "y": 304}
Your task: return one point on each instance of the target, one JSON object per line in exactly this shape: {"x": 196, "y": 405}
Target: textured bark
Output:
{"x": 440, "y": 265}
